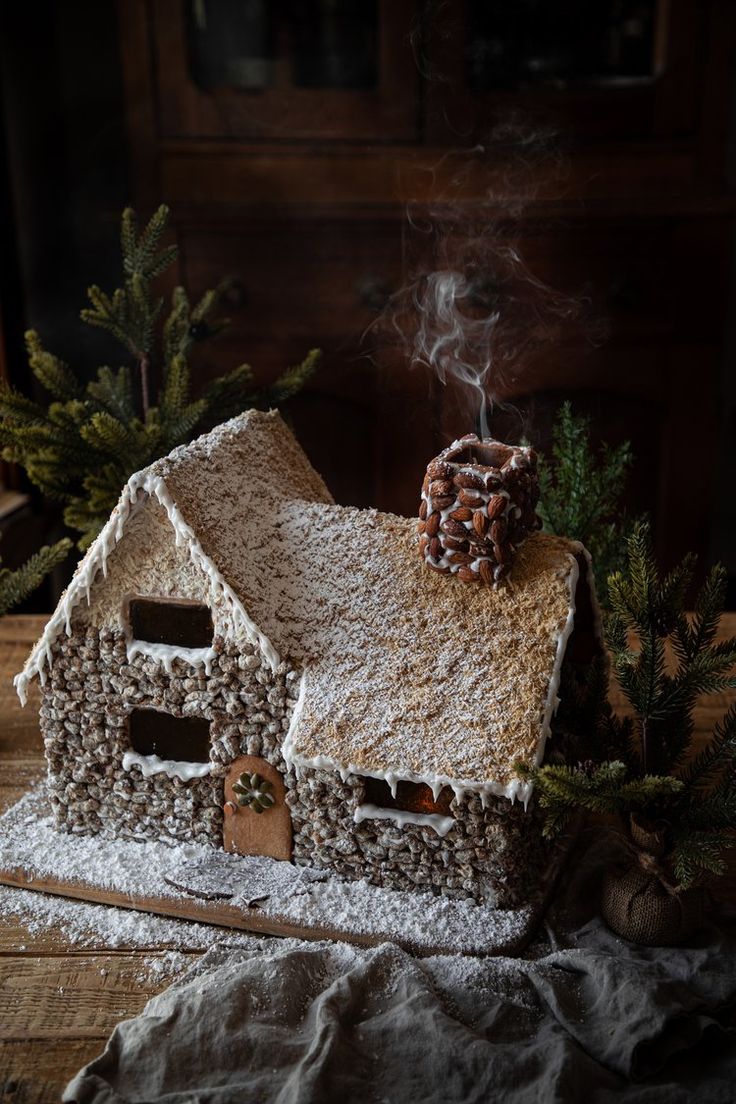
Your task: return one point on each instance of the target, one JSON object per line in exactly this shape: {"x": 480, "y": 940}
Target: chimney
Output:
{"x": 479, "y": 499}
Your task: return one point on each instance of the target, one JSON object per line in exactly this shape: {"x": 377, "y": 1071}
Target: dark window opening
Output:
{"x": 411, "y": 797}
{"x": 183, "y": 739}
{"x": 171, "y": 621}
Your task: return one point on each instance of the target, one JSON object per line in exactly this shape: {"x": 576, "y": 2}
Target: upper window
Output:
{"x": 171, "y": 621}
{"x": 411, "y": 797}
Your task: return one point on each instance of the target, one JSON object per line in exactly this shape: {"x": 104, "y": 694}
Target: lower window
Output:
{"x": 412, "y": 797}
{"x": 183, "y": 739}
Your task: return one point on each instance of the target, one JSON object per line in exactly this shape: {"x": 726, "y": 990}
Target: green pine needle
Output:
{"x": 16, "y": 585}
{"x": 81, "y": 447}
{"x": 580, "y": 491}
{"x": 654, "y": 772}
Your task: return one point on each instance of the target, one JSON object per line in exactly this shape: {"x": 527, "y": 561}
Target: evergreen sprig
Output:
{"x": 81, "y": 446}
{"x": 17, "y": 585}
{"x": 664, "y": 660}
{"x": 580, "y": 491}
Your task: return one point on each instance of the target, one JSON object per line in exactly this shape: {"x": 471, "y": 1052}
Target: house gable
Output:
{"x": 147, "y": 561}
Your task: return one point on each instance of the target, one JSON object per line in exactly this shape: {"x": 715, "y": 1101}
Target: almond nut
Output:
{"x": 438, "y": 469}
{"x": 496, "y": 506}
{"x": 498, "y": 530}
{"x": 454, "y": 528}
{"x": 459, "y": 557}
{"x": 468, "y": 480}
{"x": 480, "y": 523}
{"x": 440, "y": 487}
{"x": 485, "y": 570}
{"x": 470, "y": 498}
{"x": 463, "y": 513}
{"x": 432, "y": 527}
{"x": 467, "y": 575}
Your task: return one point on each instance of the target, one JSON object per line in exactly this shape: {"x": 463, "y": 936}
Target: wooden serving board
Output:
{"x": 218, "y": 913}
{"x": 226, "y": 915}
{"x": 292, "y": 902}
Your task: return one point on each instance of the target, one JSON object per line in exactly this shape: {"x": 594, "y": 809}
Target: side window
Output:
{"x": 183, "y": 739}
{"x": 170, "y": 621}
{"x": 411, "y": 797}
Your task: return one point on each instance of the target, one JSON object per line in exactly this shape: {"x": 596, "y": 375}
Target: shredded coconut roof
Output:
{"x": 406, "y": 672}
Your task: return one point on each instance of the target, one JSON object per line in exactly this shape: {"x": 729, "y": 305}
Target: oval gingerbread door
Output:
{"x": 257, "y": 819}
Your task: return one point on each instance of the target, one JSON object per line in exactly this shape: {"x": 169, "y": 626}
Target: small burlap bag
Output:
{"x": 641, "y": 903}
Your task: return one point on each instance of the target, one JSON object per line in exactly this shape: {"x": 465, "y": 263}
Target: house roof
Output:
{"x": 406, "y": 673}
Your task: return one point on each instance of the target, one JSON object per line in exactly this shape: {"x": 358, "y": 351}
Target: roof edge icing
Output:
{"x": 140, "y": 486}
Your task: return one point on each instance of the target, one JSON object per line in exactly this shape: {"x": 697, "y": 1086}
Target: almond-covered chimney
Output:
{"x": 479, "y": 501}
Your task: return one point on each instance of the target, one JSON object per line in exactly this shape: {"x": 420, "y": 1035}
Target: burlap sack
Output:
{"x": 641, "y": 904}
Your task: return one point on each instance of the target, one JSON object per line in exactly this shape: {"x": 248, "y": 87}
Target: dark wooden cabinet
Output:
{"x": 292, "y": 152}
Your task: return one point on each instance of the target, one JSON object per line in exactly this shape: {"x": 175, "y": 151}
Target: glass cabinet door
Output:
{"x": 608, "y": 68}
{"x": 276, "y": 69}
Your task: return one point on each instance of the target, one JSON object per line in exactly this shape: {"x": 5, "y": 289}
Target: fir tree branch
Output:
{"x": 16, "y": 585}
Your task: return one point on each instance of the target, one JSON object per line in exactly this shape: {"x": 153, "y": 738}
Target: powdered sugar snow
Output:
{"x": 186, "y": 872}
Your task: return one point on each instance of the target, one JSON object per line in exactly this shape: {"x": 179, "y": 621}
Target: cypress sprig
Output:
{"x": 81, "y": 446}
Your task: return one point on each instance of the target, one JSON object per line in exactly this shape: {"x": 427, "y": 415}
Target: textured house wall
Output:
{"x": 498, "y": 848}
{"x": 93, "y": 687}
{"x": 86, "y": 702}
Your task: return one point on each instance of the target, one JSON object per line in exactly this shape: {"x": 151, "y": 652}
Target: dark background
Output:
{"x": 323, "y": 154}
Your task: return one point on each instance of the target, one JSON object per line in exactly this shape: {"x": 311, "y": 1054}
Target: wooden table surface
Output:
{"x": 58, "y": 1002}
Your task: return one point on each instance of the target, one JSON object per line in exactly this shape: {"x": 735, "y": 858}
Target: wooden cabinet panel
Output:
{"x": 301, "y": 284}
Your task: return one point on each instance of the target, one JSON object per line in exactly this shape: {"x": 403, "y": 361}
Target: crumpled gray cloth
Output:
{"x": 584, "y": 1016}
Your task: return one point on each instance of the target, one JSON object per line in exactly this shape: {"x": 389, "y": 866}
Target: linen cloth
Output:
{"x": 583, "y": 1016}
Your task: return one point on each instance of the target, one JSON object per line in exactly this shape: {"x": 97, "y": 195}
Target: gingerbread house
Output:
{"x": 242, "y": 663}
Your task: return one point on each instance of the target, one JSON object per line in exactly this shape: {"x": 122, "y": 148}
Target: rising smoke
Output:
{"x": 472, "y": 311}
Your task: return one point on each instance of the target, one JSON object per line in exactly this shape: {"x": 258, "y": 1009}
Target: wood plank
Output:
{"x": 17, "y": 777}
{"x": 36, "y": 1071}
{"x": 19, "y": 731}
{"x": 51, "y": 939}
{"x": 75, "y": 995}
{"x": 222, "y": 914}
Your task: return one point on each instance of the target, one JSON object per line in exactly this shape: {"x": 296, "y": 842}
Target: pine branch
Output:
{"x": 16, "y": 585}
{"x": 580, "y": 491}
{"x": 82, "y": 447}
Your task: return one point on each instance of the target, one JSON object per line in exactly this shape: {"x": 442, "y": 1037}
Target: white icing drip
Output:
{"x": 440, "y": 824}
{"x": 151, "y": 764}
{"x": 138, "y": 486}
{"x": 514, "y": 790}
{"x": 167, "y": 653}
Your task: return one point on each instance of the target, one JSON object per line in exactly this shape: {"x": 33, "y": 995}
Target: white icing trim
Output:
{"x": 440, "y": 824}
{"x": 516, "y": 789}
{"x": 167, "y": 653}
{"x": 174, "y": 768}
{"x": 139, "y": 485}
